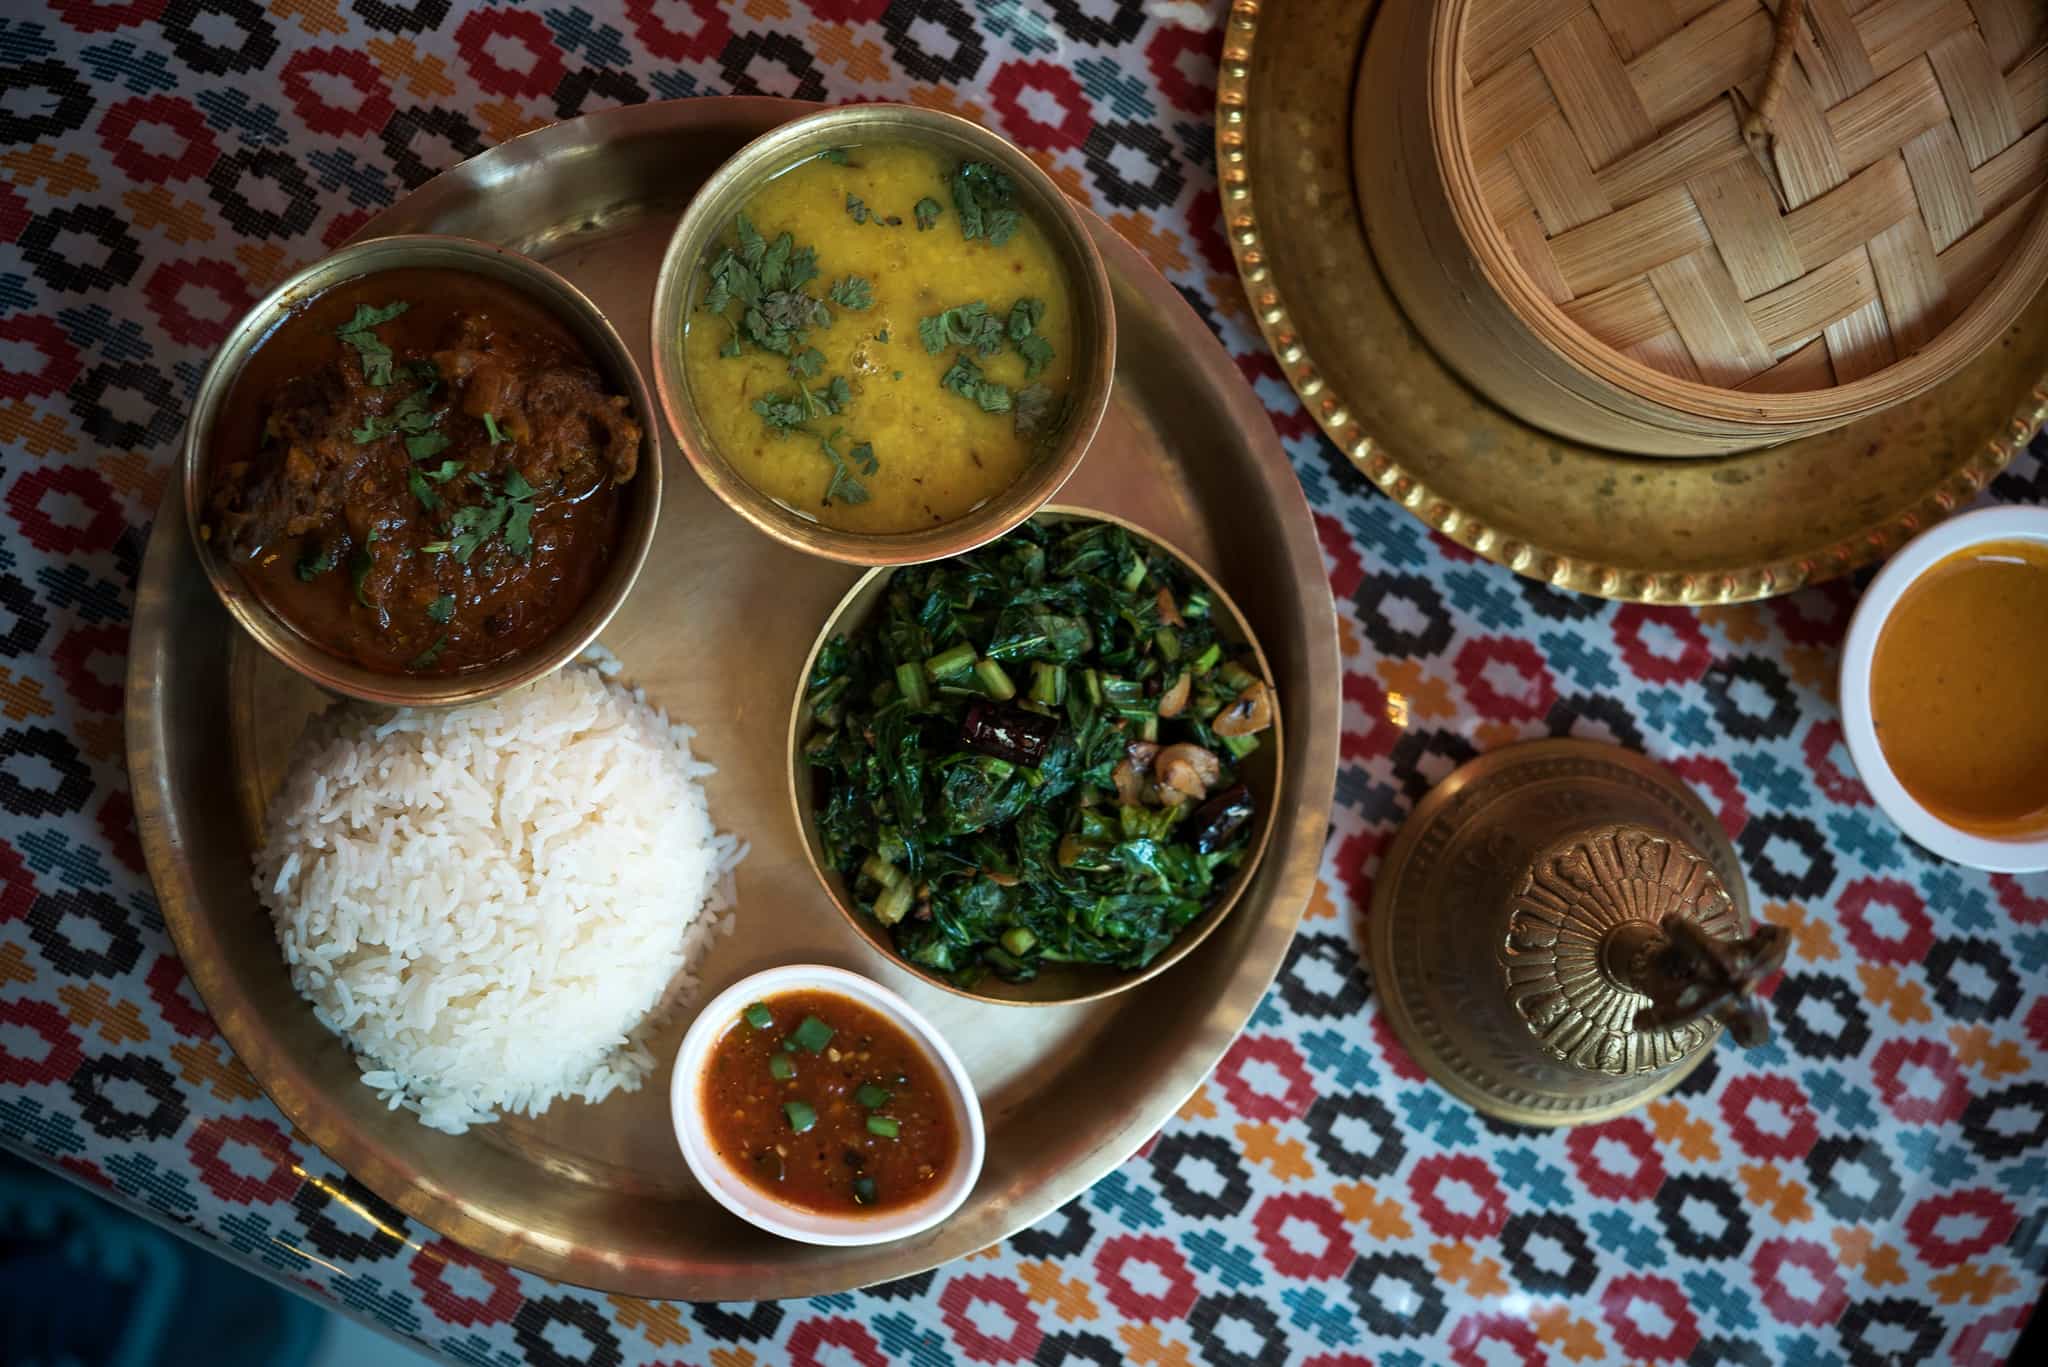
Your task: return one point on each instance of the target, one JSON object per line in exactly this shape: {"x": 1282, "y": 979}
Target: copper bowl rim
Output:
{"x": 1100, "y": 982}
{"x": 781, "y": 148}
{"x": 316, "y": 663}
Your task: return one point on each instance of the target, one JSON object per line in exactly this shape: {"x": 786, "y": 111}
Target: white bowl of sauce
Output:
{"x": 820, "y": 1106}
{"x": 1941, "y": 689}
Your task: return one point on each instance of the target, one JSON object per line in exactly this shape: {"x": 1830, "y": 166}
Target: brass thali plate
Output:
{"x": 716, "y": 630}
{"x": 1716, "y": 530}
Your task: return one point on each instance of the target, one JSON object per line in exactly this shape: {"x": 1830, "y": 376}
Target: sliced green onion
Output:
{"x": 863, "y": 1191}
{"x": 1206, "y": 661}
{"x": 813, "y": 1035}
{"x": 1091, "y": 684}
{"x": 759, "y": 1016}
{"x": 994, "y": 680}
{"x": 883, "y": 1126}
{"x": 910, "y": 682}
{"x": 894, "y": 903}
{"x": 1049, "y": 684}
{"x": 881, "y": 870}
{"x": 1148, "y": 728}
{"x": 1234, "y": 676}
{"x": 872, "y": 1096}
{"x": 1168, "y": 641}
{"x": 801, "y": 1115}
{"x": 789, "y": 1046}
{"x": 781, "y": 1067}
{"x": 1239, "y": 746}
{"x": 1197, "y": 604}
{"x": 1019, "y": 940}
{"x": 947, "y": 663}
{"x": 1134, "y": 576}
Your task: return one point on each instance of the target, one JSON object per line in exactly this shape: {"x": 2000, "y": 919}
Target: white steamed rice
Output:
{"x": 495, "y": 904}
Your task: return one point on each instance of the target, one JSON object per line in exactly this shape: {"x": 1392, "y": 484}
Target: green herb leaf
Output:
{"x": 311, "y": 567}
{"x": 966, "y": 325}
{"x": 883, "y": 336}
{"x": 416, "y": 481}
{"x": 425, "y": 659}
{"x": 359, "y": 569}
{"x": 863, "y": 455}
{"x": 806, "y": 364}
{"x": 854, "y": 293}
{"x": 812, "y": 1035}
{"x": 844, "y": 487}
{"x": 982, "y": 197}
{"x": 927, "y": 211}
{"x": 781, "y": 1067}
{"x": 856, "y": 208}
{"x": 758, "y": 1015}
{"x": 965, "y": 378}
{"x": 498, "y": 438}
{"x": 426, "y": 445}
{"x": 368, "y": 316}
{"x": 356, "y": 332}
{"x": 1037, "y": 354}
{"x": 441, "y": 609}
{"x": 871, "y": 1096}
{"x": 1025, "y": 315}
{"x": 445, "y": 471}
{"x": 783, "y": 413}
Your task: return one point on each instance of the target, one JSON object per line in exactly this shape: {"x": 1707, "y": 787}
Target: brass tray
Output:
{"x": 1715, "y": 530}
{"x": 716, "y": 630}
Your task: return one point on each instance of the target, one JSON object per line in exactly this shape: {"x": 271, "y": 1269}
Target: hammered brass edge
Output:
{"x": 1632, "y": 584}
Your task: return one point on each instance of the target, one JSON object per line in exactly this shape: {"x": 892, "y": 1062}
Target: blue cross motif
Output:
{"x": 678, "y": 85}
{"x": 392, "y": 1308}
{"x": 2027, "y": 1177}
{"x": 368, "y": 187}
{"x": 1308, "y": 1308}
{"x": 1329, "y": 1052}
{"x": 838, "y": 1300}
{"x": 903, "y": 1341}
{"x": 576, "y": 32}
{"x": 250, "y": 1235}
{"x": 1449, "y": 1121}
{"x": 138, "y": 1175}
{"x": 52, "y": 1132}
{"x": 1875, "y": 844}
{"x": 1388, "y": 533}
{"x": 1232, "y": 1264}
{"x": 1769, "y": 1054}
{"x": 230, "y": 108}
{"x": 14, "y": 295}
{"x": 476, "y": 1351}
{"x": 1664, "y": 710}
{"x": 188, "y": 376}
{"x": 138, "y": 71}
{"x": 1726, "y": 1297}
{"x": 1487, "y": 602}
{"x": 1118, "y": 1195}
{"x": 45, "y": 849}
{"x": 95, "y": 327}
{"x": 1543, "y": 1183}
{"x": 1832, "y": 1093}
{"x": 1622, "y": 1233}
{"x": 1407, "y": 1357}
{"x": 2033, "y": 949}
{"x": 23, "y": 42}
{"x": 1785, "y": 789}
{"x": 1028, "y": 30}
{"x": 1106, "y": 84}
{"x": 1569, "y": 654}
{"x": 1965, "y": 908}
{"x": 71, "y": 589}
{"x": 1308, "y": 468}
{"x": 1198, "y": 141}
{"x": 1924, "y": 1152}
{"x": 1269, "y": 1014}
{"x": 1804, "y": 1350}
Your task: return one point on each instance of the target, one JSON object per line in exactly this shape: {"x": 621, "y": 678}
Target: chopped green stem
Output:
{"x": 947, "y": 663}
{"x": 871, "y": 1096}
{"x": 1048, "y": 684}
{"x": 994, "y": 680}
{"x": 884, "y": 1126}
{"x": 1206, "y": 661}
{"x": 881, "y": 870}
{"x": 910, "y": 680}
{"x": 812, "y": 1035}
{"x": 1019, "y": 940}
{"x": 781, "y": 1067}
{"x": 759, "y": 1016}
{"x": 801, "y": 1115}
{"x": 1239, "y": 746}
{"x": 894, "y": 903}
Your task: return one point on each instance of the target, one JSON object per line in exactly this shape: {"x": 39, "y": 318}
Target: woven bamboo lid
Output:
{"x": 1899, "y": 182}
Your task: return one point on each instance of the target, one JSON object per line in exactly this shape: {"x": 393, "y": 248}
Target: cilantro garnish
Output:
{"x": 859, "y": 212}
{"x": 806, "y": 364}
{"x": 416, "y": 481}
{"x": 964, "y": 378}
{"x": 411, "y": 415}
{"x": 1025, "y": 316}
{"x": 854, "y": 292}
{"x": 767, "y": 279}
{"x": 965, "y": 325}
{"x": 845, "y": 486}
{"x": 426, "y": 445}
{"x": 981, "y": 197}
{"x": 441, "y": 609}
{"x": 927, "y": 212}
{"x": 883, "y": 336}
{"x": 426, "y": 658}
{"x": 360, "y": 566}
{"x": 311, "y": 567}
{"x": 357, "y": 332}
{"x": 498, "y": 438}
{"x": 507, "y": 510}
{"x": 785, "y": 413}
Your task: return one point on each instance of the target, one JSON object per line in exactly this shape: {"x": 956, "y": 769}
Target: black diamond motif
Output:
{"x": 1994, "y": 1140}
{"x": 1062, "y": 1234}
{"x": 762, "y": 1319}
{"x": 1077, "y": 23}
{"x": 1845, "y": 1041}
{"x": 88, "y": 403}
{"x": 1720, "y": 683}
{"x": 1340, "y": 1150}
{"x": 1966, "y": 1001}
{"x": 180, "y": 20}
{"x": 1202, "y": 1149}
{"x": 965, "y": 61}
{"x": 1076, "y": 1347}
{"x": 1610, "y": 713}
{"x": 742, "y": 48}
{"x": 1918, "y": 1320}
{"x": 46, "y": 927}
{"x": 31, "y": 619}
{"x": 351, "y": 1238}
{"x": 612, "y": 88}
{"x": 1422, "y": 598}
{"x": 62, "y": 267}
{"x": 530, "y": 1326}
{"x": 405, "y": 125}
{"x": 1813, "y": 881}
{"x": 1527, "y": 1237}
{"x": 41, "y": 100}
{"x": 1247, "y": 1312}
{"x": 1854, "y": 1178}
{"x": 1419, "y": 1306}
{"x": 1338, "y": 960}
{"x": 1724, "y": 1234}
{"x": 104, "y": 1114}
{"x": 1099, "y": 151}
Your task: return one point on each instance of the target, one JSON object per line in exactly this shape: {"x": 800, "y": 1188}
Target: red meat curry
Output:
{"x": 421, "y": 471}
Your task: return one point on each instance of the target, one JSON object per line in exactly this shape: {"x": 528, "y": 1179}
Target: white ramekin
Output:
{"x": 1999, "y": 855}
{"x": 733, "y": 1192}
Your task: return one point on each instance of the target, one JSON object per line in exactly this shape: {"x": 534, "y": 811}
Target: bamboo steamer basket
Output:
{"x": 1572, "y": 214}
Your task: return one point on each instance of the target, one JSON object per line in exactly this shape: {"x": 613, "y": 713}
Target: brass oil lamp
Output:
{"x": 1561, "y": 931}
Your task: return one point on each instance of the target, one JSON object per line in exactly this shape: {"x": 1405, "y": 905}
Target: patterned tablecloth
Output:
{"x": 1868, "y": 1187}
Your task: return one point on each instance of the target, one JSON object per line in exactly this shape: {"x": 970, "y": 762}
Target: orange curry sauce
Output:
{"x": 854, "y": 1116}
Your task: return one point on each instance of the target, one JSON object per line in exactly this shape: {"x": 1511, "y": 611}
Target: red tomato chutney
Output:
{"x": 828, "y": 1106}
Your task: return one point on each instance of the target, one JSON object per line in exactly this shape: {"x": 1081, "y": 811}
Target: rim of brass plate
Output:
{"x": 1372, "y": 459}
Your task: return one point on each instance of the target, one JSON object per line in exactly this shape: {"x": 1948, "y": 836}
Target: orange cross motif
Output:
{"x": 182, "y": 220}
{"x": 504, "y": 120}
{"x": 1161, "y": 248}
{"x": 1579, "y": 1339}
{"x": 102, "y": 737}
{"x": 23, "y": 698}
{"x": 1812, "y": 937}
{"x": 1429, "y": 698}
{"x": 1288, "y": 1158}
{"x": 41, "y": 162}
{"x": 1976, "y": 1283}
{"x": 14, "y": 965}
{"x": 39, "y": 436}
{"x": 1459, "y": 1263}
{"x": 1741, "y": 623}
{"x": 202, "y": 1066}
{"x": 266, "y": 265}
{"x": 862, "y": 59}
{"x": 764, "y": 10}
{"x": 1994, "y": 1058}
{"x": 1068, "y": 1296}
{"x": 1070, "y": 181}
{"x": 1786, "y": 1200}
{"x": 661, "y": 1322}
{"x": 137, "y": 475}
{"x": 314, "y": 16}
{"x": 1678, "y": 1128}
{"x": 1362, "y": 1205}
{"x": 732, "y": 1357}
{"x": 90, "y": 1006}
{"x": 947, "y": 99}
{"x": 1879, "y": 1265}
{"x": 397, "y": 58}
{"x": 1145, "y": 1344}
{"x": 1903, "y": 997}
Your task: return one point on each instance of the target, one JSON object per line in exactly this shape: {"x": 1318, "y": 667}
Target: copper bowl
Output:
{"x": 726, "y": 193}
{"x": 1055, "y": 985}
{"x": 585, "y": 322}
